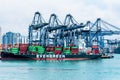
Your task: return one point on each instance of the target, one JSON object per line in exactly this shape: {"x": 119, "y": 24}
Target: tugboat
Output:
{"x": 106, "y": 56}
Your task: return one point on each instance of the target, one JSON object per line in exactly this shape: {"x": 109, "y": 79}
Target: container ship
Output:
{"x": 54, "y": 40}
{"x": 37, "y": 52}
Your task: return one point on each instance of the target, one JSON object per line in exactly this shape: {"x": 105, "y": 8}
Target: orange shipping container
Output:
{"x": 0, "y": 46}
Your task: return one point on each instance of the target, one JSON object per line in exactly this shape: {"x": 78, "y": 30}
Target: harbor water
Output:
{"x": 100, "y": 69}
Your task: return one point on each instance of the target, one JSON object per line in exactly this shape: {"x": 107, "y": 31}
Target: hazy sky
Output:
{"x": 16, "y": 15}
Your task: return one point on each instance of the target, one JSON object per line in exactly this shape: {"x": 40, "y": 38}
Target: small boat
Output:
{"x": 105, "y": 56}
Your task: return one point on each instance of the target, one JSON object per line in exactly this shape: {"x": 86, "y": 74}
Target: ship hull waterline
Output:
{"x": 10, "y": 56}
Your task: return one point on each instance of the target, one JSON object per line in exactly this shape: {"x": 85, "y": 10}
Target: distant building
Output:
{"x": 11, "y": 38}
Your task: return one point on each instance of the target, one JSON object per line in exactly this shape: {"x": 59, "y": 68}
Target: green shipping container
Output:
{"x": 50, "y": 52}
{"x": 74, "y": 47}
{"x": 67, "y": 47}
{"x": 14, "y": 50}
{"x": 58, "y": 48}
{"x": 32, "y": 49}
{"x": 40, "y": 49}
{"x": 67, "y": 52}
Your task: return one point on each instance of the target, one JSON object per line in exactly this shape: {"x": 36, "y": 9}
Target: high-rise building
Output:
{"x": 11, "y": 38}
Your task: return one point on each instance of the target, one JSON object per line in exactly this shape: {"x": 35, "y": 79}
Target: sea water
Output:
{"x": 99, "y": 69}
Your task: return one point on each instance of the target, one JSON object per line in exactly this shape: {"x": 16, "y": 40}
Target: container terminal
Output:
{"x": 54, "y": 40}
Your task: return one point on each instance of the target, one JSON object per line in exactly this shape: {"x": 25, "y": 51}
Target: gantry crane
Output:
{"x": 63, "y": 34}
{"x": 35, "y": 29}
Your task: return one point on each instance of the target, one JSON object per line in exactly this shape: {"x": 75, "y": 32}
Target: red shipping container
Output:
{"x": 74, "y": 51}
{"x": 96, "y": 51}
{"x": 58, "y": 51}
{"x": 74, "y": 48}
{"x": 23, "y": 48}
{"x": 58, "y": 47}
{"x": 33, "y": 52}
{"x": 49, "y": 49}
{"x": 66, "y": 48}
